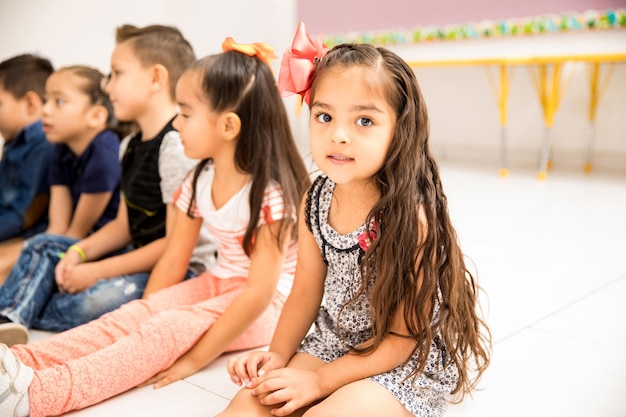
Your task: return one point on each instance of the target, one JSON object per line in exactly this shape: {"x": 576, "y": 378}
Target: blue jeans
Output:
{"x": 31, "y": 297}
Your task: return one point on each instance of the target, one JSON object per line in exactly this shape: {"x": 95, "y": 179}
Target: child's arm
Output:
{"x": 31, "y": 177}
{"x": 174, "y": 263}
{"x": 307, "y": 386}
{"x": 297, "y": 388}
{"x": 297, "y": 315}
{"x": 83, "y": 275}
{"x": 89, "y": 210}
{"x": 266, "y": 264}
{"x": 99, "y": 177}
{"x": 112, "y": 236}
{"x": 140, "y": 259}
{"x": 60, "y": 210}
{"x": 30, "y": 182}
{"x": 306, "y": 295}
{"x": 64, "y": 220}
{"x": 36, "y": 210}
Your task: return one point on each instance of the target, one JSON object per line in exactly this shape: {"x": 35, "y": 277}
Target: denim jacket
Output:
{"x": 23, "y": 175}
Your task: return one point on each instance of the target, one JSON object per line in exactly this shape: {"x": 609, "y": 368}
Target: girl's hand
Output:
{"x": 79, "y": 277}
{"x": 293, "y": 388}
{"x": 68, "y": 261}
{"x": 245, "y": 369}
{"x": 182, "y": 368}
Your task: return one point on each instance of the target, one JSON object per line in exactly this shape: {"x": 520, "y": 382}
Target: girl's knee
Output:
{"x": 325, "y": 410}
{"x": 364, "y": 398}
{"x": 319, "y": 411}
{"x": 244, "y": 404}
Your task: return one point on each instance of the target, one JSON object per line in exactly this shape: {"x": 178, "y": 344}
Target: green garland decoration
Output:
{"x": 589, "y": 20}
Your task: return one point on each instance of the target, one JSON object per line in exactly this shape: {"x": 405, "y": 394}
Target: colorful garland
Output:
{"x": 591, "y": 19}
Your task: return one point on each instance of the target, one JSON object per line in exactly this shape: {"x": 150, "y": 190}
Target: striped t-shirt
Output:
{"x": 227, "y": 225}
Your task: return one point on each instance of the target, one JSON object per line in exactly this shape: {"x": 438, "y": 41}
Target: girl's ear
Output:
{"x": 231, "y": 125}
{"x": 160, "y": 77}
{"x": 97, "y": 117}
{"x": 33, "y": 102}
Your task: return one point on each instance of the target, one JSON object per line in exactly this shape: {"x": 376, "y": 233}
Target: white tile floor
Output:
{"x": 551, "y": 257}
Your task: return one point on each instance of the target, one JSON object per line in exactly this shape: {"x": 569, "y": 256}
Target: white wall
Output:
{"x": 464, "y": 114}
{"x": 83, "y": 31}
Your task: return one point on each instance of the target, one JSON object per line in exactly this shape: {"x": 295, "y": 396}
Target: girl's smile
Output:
{"x": 339, "y": 159}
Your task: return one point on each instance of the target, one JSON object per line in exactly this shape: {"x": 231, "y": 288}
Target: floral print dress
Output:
{"x": 341, "y": 325}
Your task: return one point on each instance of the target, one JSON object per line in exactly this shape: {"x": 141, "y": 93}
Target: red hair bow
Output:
{"x": 262, "y": 51}
{"x": 299, "y": 63}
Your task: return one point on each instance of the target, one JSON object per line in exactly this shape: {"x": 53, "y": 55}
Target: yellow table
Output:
{"x": 548, "y": 74}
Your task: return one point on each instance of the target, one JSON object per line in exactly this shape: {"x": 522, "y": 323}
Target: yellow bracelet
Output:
{"x": 81, "y": 252}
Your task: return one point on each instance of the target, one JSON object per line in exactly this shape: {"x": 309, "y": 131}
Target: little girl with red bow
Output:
{"x": 397, "y": 332}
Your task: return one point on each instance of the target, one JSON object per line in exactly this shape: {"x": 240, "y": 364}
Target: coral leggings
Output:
{"x": 122, "y": 349}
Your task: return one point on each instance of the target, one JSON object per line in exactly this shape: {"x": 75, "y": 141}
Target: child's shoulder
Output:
{"x": 125, "y": 143}
{"x": 173, "y": 164}
{"x": 107, "y": 139}
{"x": 167, "y": 138}
{"x": 172, "y": 152}
{"x": 30, "y": 139}
{"x": 320, "y": 182}
{"x": 170, "y": 143}
{"x": 273, "y": 193}
{"x": 34, "y": 133}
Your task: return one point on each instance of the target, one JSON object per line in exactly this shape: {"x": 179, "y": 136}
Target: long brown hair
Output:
{"x": 409, "y": 179}
{"x": 232, "y": 81}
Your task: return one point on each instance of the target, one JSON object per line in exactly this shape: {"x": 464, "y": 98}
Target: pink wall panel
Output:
{"x": 340, "y": 16}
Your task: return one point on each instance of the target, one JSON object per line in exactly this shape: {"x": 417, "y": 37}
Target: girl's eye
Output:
{"x": 59, "y": 102}
{"x": 104, "y": 81}
{"x": 364, "y": 121}
{"x": 112, "y": 75}
{"x": 323, "y": 118}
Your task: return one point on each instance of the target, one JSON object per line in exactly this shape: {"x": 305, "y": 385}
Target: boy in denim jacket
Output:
{"x": 24, "y": 189}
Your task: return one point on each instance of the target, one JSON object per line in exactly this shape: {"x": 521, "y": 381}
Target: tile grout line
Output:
{"x": 207, "y": 390}
{"x": 563, "y": 307}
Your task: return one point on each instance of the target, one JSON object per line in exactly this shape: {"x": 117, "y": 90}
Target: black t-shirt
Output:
{"x": 141, "y": 188}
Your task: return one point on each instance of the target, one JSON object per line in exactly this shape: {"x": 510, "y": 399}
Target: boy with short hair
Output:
{"x": 24, "y": 189}
{"x": 93, "y": 277}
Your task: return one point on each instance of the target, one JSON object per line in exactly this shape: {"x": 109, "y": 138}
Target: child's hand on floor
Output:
{"x": 182, "y": 368}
